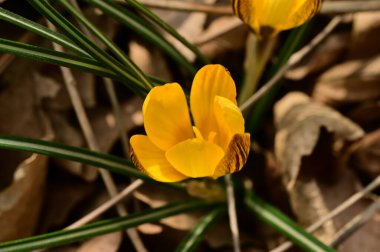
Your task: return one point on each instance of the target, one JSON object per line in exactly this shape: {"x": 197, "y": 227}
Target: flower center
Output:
{"x": 211, "y": 138}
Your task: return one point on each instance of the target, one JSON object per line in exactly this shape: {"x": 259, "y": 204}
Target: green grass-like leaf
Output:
{"x": 50, "y": 56}
{"x": 196, "y": 235}
{"x": 157, "y": 20}
{"x": 284, "y": 224}
{"x": 101, "y": 227}
{"x": 109, "y": 43}
{"x": 86, "y": 44}
{"x": 40, "y": 30}
{"x": 140, "y": 26}
{"x": 52, "y": 149}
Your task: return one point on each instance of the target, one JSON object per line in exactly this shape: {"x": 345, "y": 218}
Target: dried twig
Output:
{"x": 339, "y": 209}
{"x": 106, "y": 205}
{"x": 294, "y": 59}
{"x": 232, "y": 213}
{"x": 84, "y": 122}
{"x": 341, "y": 7}
{"x": 353, "y": 225}
{"x": 110, "y": 91}
{"x": 185, "y": 6}
{"x": 107, "y": 178}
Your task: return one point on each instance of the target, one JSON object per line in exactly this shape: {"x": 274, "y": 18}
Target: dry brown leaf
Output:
{"x": 21, "y": 202}
{"x": 308, "y": 205}
{"x": 322, "y": 57}
{"x": 20, "y": 111}
{"x": 364, "y": 41}
{"x": 365, "y": 155}
{"x": 23, "y": 175}
{"x": 109, "y": 243}
{"x": 298, "y": 121}
{"x": 351, "y": 81}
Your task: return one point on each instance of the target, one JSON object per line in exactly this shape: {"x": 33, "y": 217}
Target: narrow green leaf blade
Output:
{"x": 41, "y": 30}
{"x": 157, "y": 20}
{"x": 109, "y": 43}
{"x": 284, "y": 224}
{"x": 52, "y": 149}
{"x": 54, "y": 57}
{"x": 197, "y": 234}
{"x": 86, "y": 44}
{"x": 141, "y": 27}
{"x": 102, "y": 227}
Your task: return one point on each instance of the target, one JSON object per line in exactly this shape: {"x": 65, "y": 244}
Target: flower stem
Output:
{"x": 258, "y": 53}
{"x": 232, "y": 213}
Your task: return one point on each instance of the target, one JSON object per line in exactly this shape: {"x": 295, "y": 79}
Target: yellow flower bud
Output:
{"x": 268, "y": 17}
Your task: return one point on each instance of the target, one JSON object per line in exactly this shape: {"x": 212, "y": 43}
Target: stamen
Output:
{"x": 211, "y": 136}
{"x": 197, "y": 133}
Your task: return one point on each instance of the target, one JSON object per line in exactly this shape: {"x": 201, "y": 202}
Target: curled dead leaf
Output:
{"x": 349, "y": 82}
{"x": 308, "y": 205}
{"x": 20, "y": 203}
{"x": 22, "y": 178}
{"x": 298, "y": 121}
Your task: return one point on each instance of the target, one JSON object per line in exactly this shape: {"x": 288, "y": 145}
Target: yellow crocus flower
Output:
{"x": 268, "y": 17}
{"x": 173, "y": 149}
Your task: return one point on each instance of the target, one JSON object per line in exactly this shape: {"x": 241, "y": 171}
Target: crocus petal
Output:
{"x": 195, "y": 157}
{"x": 302, "y": 11}
{"x": 151, "y": 160}
{"x": 210, "y": 81}
{"x": 229, "y": 119}
{"x": 166, "y": 116}
{"x": 276, "y": 15}
{"x": 235, "y": 157}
